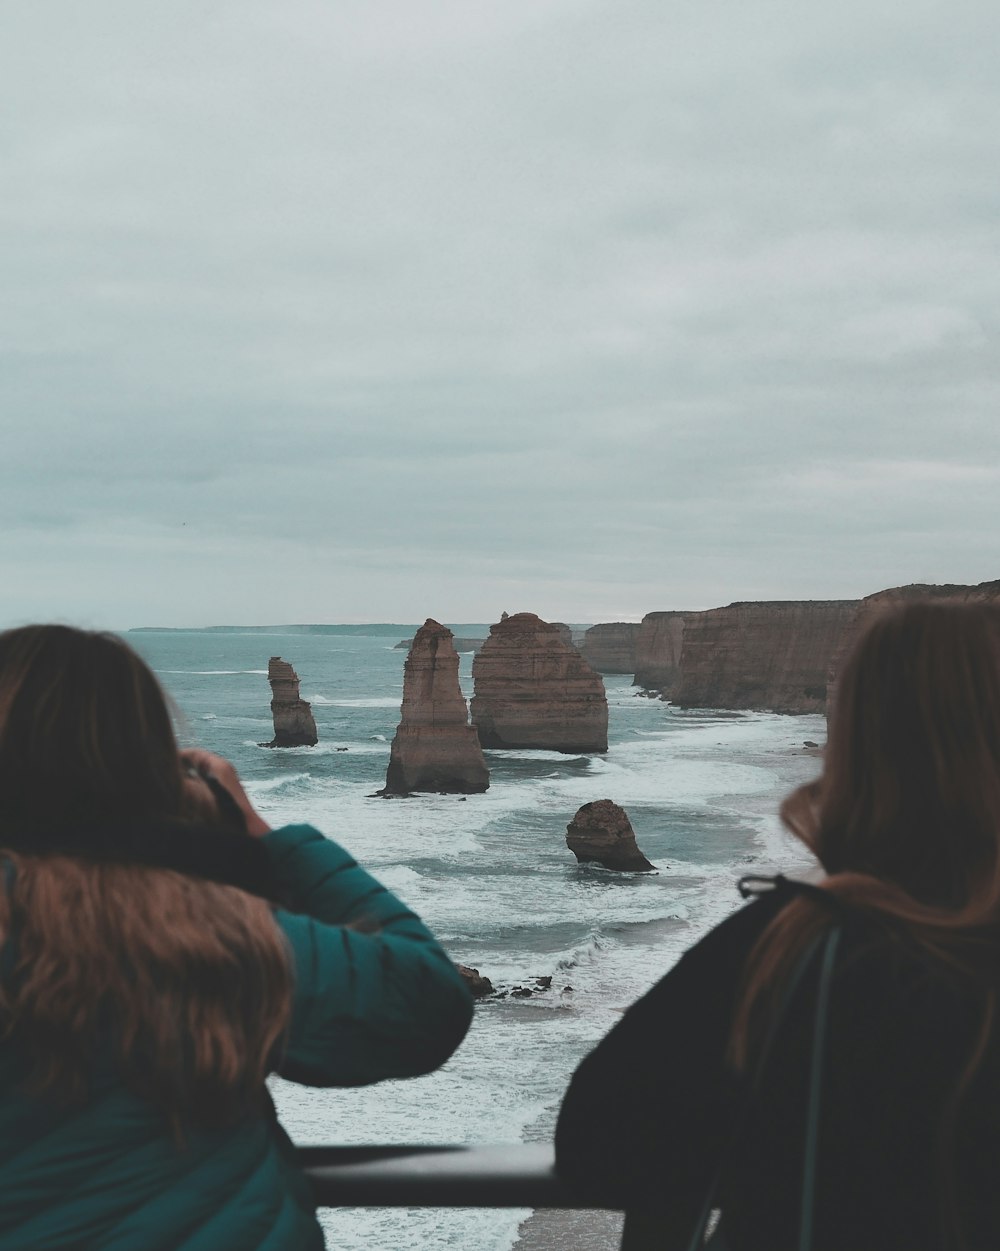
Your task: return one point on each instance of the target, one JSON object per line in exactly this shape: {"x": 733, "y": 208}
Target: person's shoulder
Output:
{"x": 764, "y": 898}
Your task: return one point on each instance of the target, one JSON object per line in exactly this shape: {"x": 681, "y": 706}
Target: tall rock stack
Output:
{"x": 658, "y": 645}
{"x": 610, "y": 646}
{"x": 533, "y": 689}
{"x": 772, "y": 655}
{"x": 435, "y": 747}
{"x": 873, "y": 604}
{"x": 294, "y": 725}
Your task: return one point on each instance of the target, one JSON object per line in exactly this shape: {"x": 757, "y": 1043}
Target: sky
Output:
{"x": 374, "y": 310}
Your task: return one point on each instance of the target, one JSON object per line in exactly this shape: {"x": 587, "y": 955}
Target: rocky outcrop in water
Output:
{"x": 533, "y": 689}
{"x": 772, "y": 655}
{"x": 873, "y": 604}
{"x": 658, "y": 644}
{"x": 294, "y": 725}
{"x": 601, "y": 833}
{"x": 435, "y": 747}
{"x": 610, "y": 646}
{"x": 477, "y": 985}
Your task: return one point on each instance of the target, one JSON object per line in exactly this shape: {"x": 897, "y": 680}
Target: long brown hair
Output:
{"x": 905, "y": 819}
{"x": 186, "y": 982}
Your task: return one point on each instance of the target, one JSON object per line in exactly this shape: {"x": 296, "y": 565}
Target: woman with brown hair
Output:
{"x": 162, "y": 951}
{"x": 880, "y": 1126}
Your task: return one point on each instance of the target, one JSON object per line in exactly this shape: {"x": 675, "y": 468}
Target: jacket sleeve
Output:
{"x": 650, "y": 1110}
{"x": 375, "y": 996}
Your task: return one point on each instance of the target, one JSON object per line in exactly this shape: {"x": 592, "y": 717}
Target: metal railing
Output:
{"x": 516, "y": 1176}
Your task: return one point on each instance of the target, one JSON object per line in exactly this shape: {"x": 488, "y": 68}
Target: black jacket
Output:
{"x": 650, "y": 1112}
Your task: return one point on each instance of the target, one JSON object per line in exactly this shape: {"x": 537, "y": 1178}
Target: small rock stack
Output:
{"x": 602, "y": 833}
{"x": 294, "y": 725}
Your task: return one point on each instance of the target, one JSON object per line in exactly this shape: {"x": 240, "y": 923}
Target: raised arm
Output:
{"x": 375, "y": 995}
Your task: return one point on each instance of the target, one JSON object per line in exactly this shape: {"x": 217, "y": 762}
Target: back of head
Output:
{"x": 85, "y": 732}
{"x": 905, "y": 820}
{"x": 910, "y": 792}
{"x": 130, "y": 928}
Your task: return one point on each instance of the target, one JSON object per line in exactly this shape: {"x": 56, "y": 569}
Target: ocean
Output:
{"x": 492, "y": 876}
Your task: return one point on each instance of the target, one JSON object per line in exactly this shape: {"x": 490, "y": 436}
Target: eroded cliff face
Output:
{"x": 601, "y": 833}
{"x": 533, "y": 689}
{"x": 658, "y": 644}
{"x": 772, "y": 655}
{"x": 294, "y": 725}
{"x": 873, "y": 604}
{"x": 435, "y": 748}
{"x": 610, "y": 646}
{"x": 565, "y": 631}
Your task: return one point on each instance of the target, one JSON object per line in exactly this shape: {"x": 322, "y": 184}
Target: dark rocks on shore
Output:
{"x": 482, "y": 988}
{"x": 478, "y": 986}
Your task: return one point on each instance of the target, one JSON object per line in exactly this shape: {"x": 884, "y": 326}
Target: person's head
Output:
{"x": 910, "y": 789}
{"x": 85, "y": 732}
{"x": 193, "y": 973}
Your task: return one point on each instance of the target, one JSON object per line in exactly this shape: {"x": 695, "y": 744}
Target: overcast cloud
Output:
{"x": 380, "y": 309}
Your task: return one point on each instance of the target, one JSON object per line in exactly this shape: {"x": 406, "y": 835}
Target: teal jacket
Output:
{"x": 378, "y": 1001}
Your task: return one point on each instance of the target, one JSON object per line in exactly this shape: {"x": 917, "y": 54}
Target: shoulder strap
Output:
{"x": 828, "y": 942}
{"x": 816, "y": 1090}
{"x": 8, "y": 941}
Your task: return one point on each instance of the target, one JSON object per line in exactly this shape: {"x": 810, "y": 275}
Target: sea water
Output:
{"x": 493, "y": 878}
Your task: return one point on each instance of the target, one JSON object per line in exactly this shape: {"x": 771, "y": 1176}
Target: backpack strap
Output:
{"x": 828, "y": 943}
{"x": 8, "y": 941}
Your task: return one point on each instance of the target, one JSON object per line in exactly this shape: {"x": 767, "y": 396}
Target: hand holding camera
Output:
{"x": 214, "y": 786}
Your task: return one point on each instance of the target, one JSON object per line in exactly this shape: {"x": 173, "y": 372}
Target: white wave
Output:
{"x": 270, "y": 785}
{"x": 384, "y": 701}
{"x": 215, "y": 673}
{"x": 400, "y": 878}
{"x": 531, "y": 753}
{"x": 250, "y": 742}
{"x": 208, "y": 716}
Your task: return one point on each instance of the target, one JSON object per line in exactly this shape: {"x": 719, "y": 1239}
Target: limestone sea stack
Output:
{"x": 294, "y": 725}
{"x": 533, "y": 689}
{"x": 602, "y": 833}
{"x": 773, "y": 655}
{"x": 610, "y": 646}
{"x": 658, "y": 644}
{"x": 435, "y": 747}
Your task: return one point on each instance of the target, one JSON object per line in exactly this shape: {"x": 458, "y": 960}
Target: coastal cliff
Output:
{"x": 294, "y": 725}
{"x": 880, "y": 600}
{"x": 772, "y": 655}
{"x": 435, "y": 748}
{"x": 658, "y": 644}
{"x": 610, "y": 646}
{"x": 534, "y": 689}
